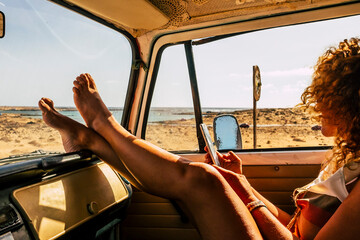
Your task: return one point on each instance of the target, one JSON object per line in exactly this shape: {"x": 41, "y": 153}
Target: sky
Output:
{"x": 285, "y": 55}
{"x": 46, "y": 47}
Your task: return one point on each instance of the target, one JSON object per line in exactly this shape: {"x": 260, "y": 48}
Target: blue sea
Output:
{"x": 156, "y": 114}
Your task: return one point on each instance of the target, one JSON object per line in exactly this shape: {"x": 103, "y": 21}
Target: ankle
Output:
{"x": 100, "y": 124}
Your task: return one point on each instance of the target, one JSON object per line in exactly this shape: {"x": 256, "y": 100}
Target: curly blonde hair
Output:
{"x": 335, "y": 88}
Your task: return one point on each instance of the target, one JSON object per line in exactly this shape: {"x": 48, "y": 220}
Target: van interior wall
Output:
{"x": 274, "y": 175}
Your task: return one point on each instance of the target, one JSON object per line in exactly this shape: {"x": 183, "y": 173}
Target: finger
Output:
{"x": 227, "y": 155}
{"x": 233, "y": 157}
{"x": 207, "y": 159}
{"x": 238, "y": 159}
{"x": 223, "y": 171}
{"x": 221, "y": 159}
{"x": 220, "y": 156}
{"x": 227, "y": 158}
{"x": 229, "y": 176}
{"x": 206, "y": 149}
{"x": 231, "y": 153}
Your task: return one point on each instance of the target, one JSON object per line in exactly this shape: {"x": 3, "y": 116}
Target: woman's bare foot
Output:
{"x": 88, "y": 101}
{"x": 73, "y": 134}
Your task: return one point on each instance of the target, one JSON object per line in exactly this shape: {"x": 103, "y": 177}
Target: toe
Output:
{"x": 76, "y": 91}
{"x": 91, "y": 81}
{"x": 44, "y": 107}
{"x": 84, "y": 80}
{"x": 80, "y": 82}
{"x": 49, "y": 102}
{"x": 77, "y": 84}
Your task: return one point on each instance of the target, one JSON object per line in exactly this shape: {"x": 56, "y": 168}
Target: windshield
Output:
{"x": 45, "y": 48}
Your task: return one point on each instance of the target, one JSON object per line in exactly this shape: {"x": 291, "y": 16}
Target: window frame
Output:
{"x": 198, "y": 109}
{"x": 193, "y": 86}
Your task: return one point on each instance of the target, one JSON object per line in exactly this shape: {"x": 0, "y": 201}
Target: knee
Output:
{"x": 202, "y": 179}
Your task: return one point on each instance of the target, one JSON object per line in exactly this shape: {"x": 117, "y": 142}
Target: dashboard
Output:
{"x": 79, "y": 204}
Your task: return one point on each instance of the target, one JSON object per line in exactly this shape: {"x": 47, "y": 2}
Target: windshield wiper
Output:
{"x": 27, "y": 156}
{"x": 45, "y": 163}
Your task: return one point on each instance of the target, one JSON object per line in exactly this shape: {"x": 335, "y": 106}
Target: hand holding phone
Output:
{"x": 209, "y": 143}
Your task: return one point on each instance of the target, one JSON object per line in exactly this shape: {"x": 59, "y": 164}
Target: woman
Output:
{"x": 220, "y": 200}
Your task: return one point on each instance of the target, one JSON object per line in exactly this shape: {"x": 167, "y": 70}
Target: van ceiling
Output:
{"x": 142, "y": 16}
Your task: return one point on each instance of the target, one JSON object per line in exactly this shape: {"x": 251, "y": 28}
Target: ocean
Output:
{"x": 156, "y": 114}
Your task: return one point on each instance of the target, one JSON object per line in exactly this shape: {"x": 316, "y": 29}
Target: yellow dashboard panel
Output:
{"x": 57, "y": 205}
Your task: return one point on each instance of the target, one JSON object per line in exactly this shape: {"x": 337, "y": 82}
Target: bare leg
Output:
{"x": 76, "y": 136}
{"x": 144, "y": 156}
{"x": 217, "y": 210}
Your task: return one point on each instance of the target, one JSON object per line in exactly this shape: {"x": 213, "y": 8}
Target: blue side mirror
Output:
{"x": 227, "y": 133}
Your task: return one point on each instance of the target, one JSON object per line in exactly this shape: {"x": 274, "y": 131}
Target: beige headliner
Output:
{"x": 143, "y": 16}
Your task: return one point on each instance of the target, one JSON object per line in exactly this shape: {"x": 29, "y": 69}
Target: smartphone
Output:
{"x": 209, "y": 143}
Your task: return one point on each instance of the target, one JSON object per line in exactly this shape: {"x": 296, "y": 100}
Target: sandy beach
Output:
{"x": 284, "y": 128}
{"x": 20, "y": 135}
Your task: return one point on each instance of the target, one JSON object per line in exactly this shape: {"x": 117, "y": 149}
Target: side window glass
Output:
{"x": 286, "y": 57}
{"x": 171, "y": 122}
